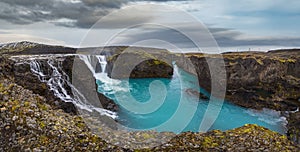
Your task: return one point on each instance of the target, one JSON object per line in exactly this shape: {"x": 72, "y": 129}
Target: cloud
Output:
{"x": 76, "y": 13}
{"x": 272, "y": 22}
{"x": 226, "y": 38}
{"x": 8, "y": 38}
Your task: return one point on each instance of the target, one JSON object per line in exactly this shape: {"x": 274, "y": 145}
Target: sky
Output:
{"x": 236, "y": 25}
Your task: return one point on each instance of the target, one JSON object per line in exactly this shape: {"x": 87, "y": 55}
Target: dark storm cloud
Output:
{"x": 104, "y": 3}
{"x": 70, "y": 13}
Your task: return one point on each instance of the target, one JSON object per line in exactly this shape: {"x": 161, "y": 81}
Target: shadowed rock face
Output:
{"x": 294, "y": 127}
{"x": 138, "y": 63}
{"x": 22, "y": 75}
{"x": 259, "y": 80}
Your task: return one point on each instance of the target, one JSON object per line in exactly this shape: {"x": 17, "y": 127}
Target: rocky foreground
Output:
{"x": 32, "y": 118}
{"x": 28, "y": 123}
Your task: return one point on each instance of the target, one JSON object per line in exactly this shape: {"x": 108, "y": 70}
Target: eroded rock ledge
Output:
{"x": 257, "y": 80}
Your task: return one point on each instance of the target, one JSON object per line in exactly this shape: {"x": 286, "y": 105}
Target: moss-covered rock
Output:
{"x": 246, "y": 138}
{"x": 28, "y": 123}
{"x": 256, "y": 79}
{"x": 140, "y": 63}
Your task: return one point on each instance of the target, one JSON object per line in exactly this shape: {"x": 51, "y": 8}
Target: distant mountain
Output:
{"x": 25, "y": 47}
{"x": 17, "y": 45}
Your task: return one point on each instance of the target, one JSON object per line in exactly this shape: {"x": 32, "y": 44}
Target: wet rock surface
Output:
{"x": 197, "y": 94}
{"x": 22, "y": 75}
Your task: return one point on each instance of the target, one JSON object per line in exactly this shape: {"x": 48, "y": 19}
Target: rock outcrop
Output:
{"x": 21, "y": 74}
{"x": 140, "y": 63}
{"x": 28, "y": 123}
{"x": 257, "y": 80}
{"x": 254, "y": 80}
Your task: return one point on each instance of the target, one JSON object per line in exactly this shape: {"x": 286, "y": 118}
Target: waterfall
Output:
{"x": 103, "y": 63}
{"x": 108, "y": 85}
{"x": 57, "y": 80}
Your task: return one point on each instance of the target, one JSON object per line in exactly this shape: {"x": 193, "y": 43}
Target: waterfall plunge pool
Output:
{"x": 179, "y": 111}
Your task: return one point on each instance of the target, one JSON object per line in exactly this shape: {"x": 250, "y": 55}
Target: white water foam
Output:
{"x": 108, "y": 85}
{"x": 57, "y": 79}
{"x": 269, "y": 116}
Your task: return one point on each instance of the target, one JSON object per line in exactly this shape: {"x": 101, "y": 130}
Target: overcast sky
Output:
{"x": 235, "y": 24}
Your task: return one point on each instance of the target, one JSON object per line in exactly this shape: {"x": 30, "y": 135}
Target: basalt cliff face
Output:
{"x": 258, "y": 80}
{"x": 254, "y": 80}
{"x": 137, "y": 62}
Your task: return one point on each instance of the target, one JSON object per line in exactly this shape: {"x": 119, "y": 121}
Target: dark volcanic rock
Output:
{"x": 254, "y": 80}
{"x": 294, "y": 127}
{"x": 258, "y": 80}
{"x": 196, "y": 94}
{"x": 85, "y": 82}
{"x": 22, "y": 75}
{"x": 136, "y": 63}
{"x": 25, "y": 47}
{"x": 27, "y": 123}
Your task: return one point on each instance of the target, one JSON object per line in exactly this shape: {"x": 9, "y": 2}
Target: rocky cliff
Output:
{"x": 28, "y": 123}
{"x": 254, "y": 80}
{"x": 258, "y": 80}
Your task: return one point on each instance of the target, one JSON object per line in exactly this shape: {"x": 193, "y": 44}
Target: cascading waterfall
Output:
{"x": 58, "y": 80}
{"x": 103, "y": 62}
{"x": 108, "y": 85}
{"x": 55, "y": 80}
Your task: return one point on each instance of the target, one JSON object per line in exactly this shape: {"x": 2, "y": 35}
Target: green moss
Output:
{"x": 209, "y": 142}
{"x": 44, "y": 139}
{"x": 80, "y": 125}
{"x": 259, "y": 61}
{"x": 26, "y": 104}
{"x": 1, "y": 87}
{"x": 94, "y": 139}
{"x": 15, "y": 107}
{"x": 147, "y": 136}
{"x": 43, "y": 107}
{"x": 233, "y": 63}
{"x": 42, "y": 124}
{"x": 10, "y": 86}
{"x": 282, "y": 60}
{"x": 44, "y": 86}
{"x": 291, "y": 60}
{"x": 156, "y": 62}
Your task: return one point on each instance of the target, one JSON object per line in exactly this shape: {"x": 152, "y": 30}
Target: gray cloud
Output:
{"x": 224, "y": 37}
{"x": 79, "y": 13}
{"x": 84, "y": 13}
